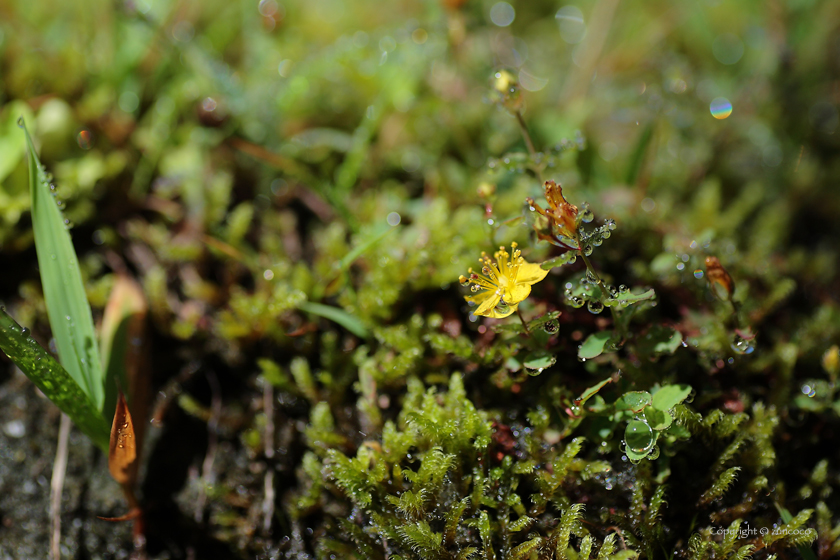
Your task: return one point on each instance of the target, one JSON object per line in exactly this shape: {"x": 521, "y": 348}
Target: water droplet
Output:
{"x": 576, "y": 301}
{"x": 595, "y": 306}
{"x": 20, "y": 122}
{"x": 24, "y": 331}
{"x": 53, "y": 257}
{"x": 605, "y": 234}
{"x": 572, "y": 258}
{"x": 623, "y": 289}
{"x": 587, "y": 250}
{"x": 552, "y": 326}
{"x": 743, "y": 345}
{"x": 590, "y": 276}
{"x": 610, "y": 224}
{"x": 638, "y": 436}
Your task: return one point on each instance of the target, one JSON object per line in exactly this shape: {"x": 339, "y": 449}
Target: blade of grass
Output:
{"x": 349, "y": 322}
{"x": 639, "y": 152}
{"x": 53, "y": 380}
{"x": 64, "y": 292}
{"x": 806, "y": 551}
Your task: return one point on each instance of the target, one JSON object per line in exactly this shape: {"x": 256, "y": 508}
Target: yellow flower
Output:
{"x": 503, "y": 283}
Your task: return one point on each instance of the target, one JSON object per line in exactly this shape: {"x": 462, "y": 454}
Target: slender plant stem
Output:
{"x": 600, "y": 283}
{"x": 523, "y": 128}
{"x": 524, "y": 324}
{"x": 57, "y": 486}
{"x": 268, "y": 449}
{"x": 525, "y": 134}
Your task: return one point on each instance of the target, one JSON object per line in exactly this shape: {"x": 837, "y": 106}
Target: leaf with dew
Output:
{"x": 64, "y": 292}
{"x": 52, "y": 379}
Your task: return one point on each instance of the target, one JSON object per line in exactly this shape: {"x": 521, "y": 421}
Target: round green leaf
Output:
{"x": 669, "y": 396}
{"x": 658, "y": 419}
{"x": 634, "y": 400}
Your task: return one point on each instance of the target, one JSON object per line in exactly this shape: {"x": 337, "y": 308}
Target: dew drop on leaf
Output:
{"x": 594, "y": 306}
{"x": 639, "y": 437}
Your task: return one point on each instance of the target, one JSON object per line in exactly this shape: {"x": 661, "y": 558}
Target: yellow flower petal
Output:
{"x": 529, "y": 273}
{"x": 496, "y": 314}
{"x": 486, "y": 301}
{"x": 517, "y": 293}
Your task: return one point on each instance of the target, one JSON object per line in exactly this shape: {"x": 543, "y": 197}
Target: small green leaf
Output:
{"x": 64, "y": 292}
{"x": 670, "y": 396}
{"x": 538, "y": 361}
{"x": 659, "y": 340}
{"x": 628, "y": 298}
{"x": 635, "y": 401}
{"x": 53, "y": 380}
{"x": 658, "y": 419}
{"x": 591, "y": 391}
{"x": 594, "y": 345}
{"x": 565, "y": 258}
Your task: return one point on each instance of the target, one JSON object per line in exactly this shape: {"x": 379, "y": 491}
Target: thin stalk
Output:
{"x": 268, "y": 449}
{"x": 600, "y": 283}
{"x": 57, "y": 486}
{"x": 525, "y": 134}
{"x": 524, "y": 324}
{"x": 523, "y": 128}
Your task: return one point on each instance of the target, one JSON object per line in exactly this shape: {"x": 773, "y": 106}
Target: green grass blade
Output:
{"x": 67, "y": 304}
{"x": 349, "y": 322}
{"x": 806, "y": 551}
{"x": 638, "y": 158}
{"x": 53, "y": 380}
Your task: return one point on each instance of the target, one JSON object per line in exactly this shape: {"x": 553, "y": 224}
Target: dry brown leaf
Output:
{"x": 122, "y": 451}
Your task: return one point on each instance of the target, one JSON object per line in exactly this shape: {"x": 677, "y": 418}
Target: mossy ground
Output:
{"x": 298, "y": 186}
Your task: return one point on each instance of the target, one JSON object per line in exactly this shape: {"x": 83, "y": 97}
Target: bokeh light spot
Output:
{"x": 728, "y": 48}
{"x": 572, "y": 26}
{"x": 502, "y": 14}
{"x": 85, "y": 139}
{"x": 530, "y": 82}
{"x": 720, "y": 108}
{"x": 129, "y": 101}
